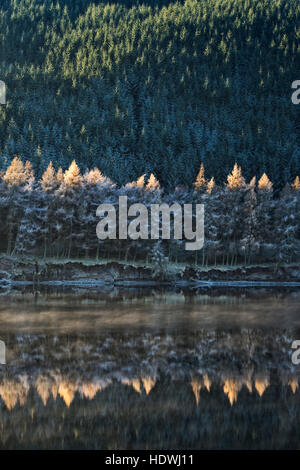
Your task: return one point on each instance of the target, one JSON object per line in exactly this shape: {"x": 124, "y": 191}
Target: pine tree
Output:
{"x": 159, "y": 261}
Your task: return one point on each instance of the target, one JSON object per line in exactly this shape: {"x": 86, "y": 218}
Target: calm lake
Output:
{"x": 150, "y": 369}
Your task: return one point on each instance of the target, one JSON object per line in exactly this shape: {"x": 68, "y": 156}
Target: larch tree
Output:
{"x": 153, "y": 183}
{"x": 235, "y": 180}
{"x": 95, "y": 177}
{"x": 296, "y": 184}
{"x": 49, "y": 182}
{"x": 15, "y": 174}
{"x": 72, "y": 176}
{"x": 200, "y": 182}
{"x": 211, "y": 185}
{"x": 264, "y": 184}
{"x": 265, "y": 216}
{"x": 28, "y": 172}
{"x": 69, "y": 200}
{"x": 232, "y": 202}
{"x": 139, "y": 183}
{"x": 96, "y": 190}
{"x": 60, "y": 176}
{"x": 15, "y": 178}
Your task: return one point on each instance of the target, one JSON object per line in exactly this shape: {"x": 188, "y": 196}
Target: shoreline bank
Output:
{"x": 37, "y": 271}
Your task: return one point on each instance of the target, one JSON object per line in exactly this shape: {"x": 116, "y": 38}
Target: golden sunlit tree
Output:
{"x": 252, "y": 183}
{"x": 264, "y": 183}
{"x": 235, "y": 179}
{"x": 28, "y": 170}
{"x": 211, "y": 185}
{"x": 296, "y": 184}
{"x": 60, "y": 175}
{"x": 72, "y": 176}
{"x": 200, "y": 182}
{"x": 15, "y": 174}
{"x": 153, "y": 183}
{"x": 139, "y": 183}
{"x": 49, "y": 181}
{"x": 94, "y": 176}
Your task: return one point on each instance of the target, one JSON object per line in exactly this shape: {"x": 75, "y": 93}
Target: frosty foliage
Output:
{"x": 56, "y": 216}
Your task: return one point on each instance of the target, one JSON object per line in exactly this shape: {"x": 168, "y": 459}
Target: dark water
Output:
{"x": 141, "y": 369}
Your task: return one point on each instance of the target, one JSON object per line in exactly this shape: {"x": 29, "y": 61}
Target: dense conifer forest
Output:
{"x": 150, "y": 86}
{"x": 161, "y": 101}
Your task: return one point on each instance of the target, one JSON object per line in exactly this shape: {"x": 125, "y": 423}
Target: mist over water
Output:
{"x": 154, "y": 369}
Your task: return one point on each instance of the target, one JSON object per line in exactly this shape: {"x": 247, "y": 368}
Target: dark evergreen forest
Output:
{"x": 152, "y": 87}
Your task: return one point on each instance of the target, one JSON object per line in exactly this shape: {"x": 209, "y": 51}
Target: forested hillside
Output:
{"x": 152, "y": 87}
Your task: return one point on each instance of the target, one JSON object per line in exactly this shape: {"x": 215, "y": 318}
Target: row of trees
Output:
{"x": 55, "y": 216}
{"x": 152, "y": 86}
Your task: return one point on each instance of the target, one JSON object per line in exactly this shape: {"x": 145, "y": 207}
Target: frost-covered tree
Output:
{"x": 286, "y": 225}
{"x": 265, "y": 218}
{"x": 159, "y": 261}
{"x": 231, "y": 203}
{"x": 49, "y": 181}
{"x": 249, "y": 244}
{"x": 213, "y": 219}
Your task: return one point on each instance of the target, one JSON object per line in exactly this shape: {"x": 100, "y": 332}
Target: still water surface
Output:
{"x": 148, "y": 369}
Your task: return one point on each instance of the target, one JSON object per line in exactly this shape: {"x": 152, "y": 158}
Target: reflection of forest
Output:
{"x": 150, "y": 412}
{"x": 83, "y": 365}
{"x": 14, "y": 391}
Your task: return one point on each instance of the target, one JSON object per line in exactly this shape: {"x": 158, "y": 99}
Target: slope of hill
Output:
{"x": 156, "y": 87}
